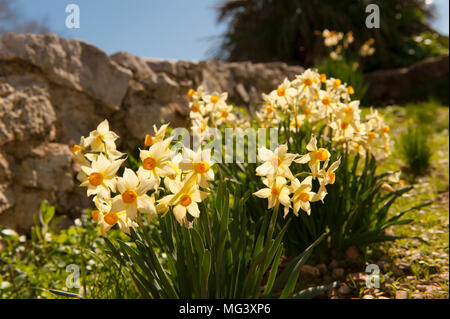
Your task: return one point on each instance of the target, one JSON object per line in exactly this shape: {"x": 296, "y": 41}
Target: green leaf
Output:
{"x": 65, "y": 294}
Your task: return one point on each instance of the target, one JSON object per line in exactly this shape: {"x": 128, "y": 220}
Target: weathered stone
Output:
{"x": 401, "y": 294}
{"x": 404, "y": 84}
{"x": 344, "y": 289}
{"x": 322, "y": 268}
{"x": 75, "y": 64}
{"x": 352, "y": 253}
{"x": 338, "y": 273}
{"x": 309, "y": 272}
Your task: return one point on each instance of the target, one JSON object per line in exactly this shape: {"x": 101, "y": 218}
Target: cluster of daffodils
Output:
{"x": 183, "y": 177}
{"x": 282, "y": 187}
{"x": 314, "y": 99}
{"x": 211, "y": 110}
{"x": 337, "y": 42}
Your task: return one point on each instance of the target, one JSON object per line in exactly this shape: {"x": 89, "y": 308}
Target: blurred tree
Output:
{"x": 12, "y": 21}
{"x": 288, "y": 30}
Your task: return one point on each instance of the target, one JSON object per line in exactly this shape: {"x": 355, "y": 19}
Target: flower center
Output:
{"x": 275, "y": 191}
{"x": 322, "y": 154}
{"x": 195, "y": 108}
{"x": 269, "y": 110}
{"x": 337, "y": 82}
{"x": 214, "y": 99}
{"x": 295, "y": 123}
{"x": 281, "y": 92}
{"x": 201, "y": 167}
{"x": 129, "y": 196}
{"x": 95, "y": 179}
{"x": 275, "y": 161}
{"x": 371, "y": 135}
{"x": 224, "y": 114}
{"x": 111, "y": 218}
{"x": 191, "y": 93}
{"x": 185, "y": 200}
{"x": 76, "y": 148}
{"x": 350, "y": 90}
{"x": 344, "y": 125}
{"x": 332, "y": 177}
{"x": 348, "y": 110}
{"x": 386, "y": 129}
{"x": 308, "y": 81}
{"x": 323, "y": 78}
{"x": 303, "y": 102}
{"x": 304, "y": 197}
{"x": 148, "y": 140}
{"x": 326, "y": 101}
{"x": 307, "y": 111}
{"x": 149, "y": 163}
{"x": 100, "y": 138}
{"x": 95, "y": 215}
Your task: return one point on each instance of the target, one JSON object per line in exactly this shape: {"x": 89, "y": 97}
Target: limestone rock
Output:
{"x": 75, "y": 64}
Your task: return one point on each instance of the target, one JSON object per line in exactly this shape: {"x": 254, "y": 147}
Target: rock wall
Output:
{"x": 54, "y": 90}
{"x": 423, "y": 79}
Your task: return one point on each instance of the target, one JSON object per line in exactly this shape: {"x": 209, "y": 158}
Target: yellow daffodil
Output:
{"x": 276, "y": 163}
{"x": 197, "y": 165}
{"x": 184, "y": 199}
{"x": 133, "y": 197}
{"x": 303, "y": 196}
{"x": 314, "y": 157}
{"x": 276, "y": 192}
{"x": 99, "y": 178}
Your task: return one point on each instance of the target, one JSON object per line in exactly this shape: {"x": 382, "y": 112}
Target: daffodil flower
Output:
{"x": 224, "y": 114}
{"x": 133, "y": 197}
{"x": 314, "y": 157}
{"x": 158, "y": 137}
{"x": 197, "y": 166}
{"x": 102, "y": 139}
{"x": 276, "y": 163}
{"x": 303, "y": 196}
{"x": 107, "y": 220}
{"x": 327, "y": 176}
{"x": 184, "y": 199}
{"x": 276, "y": 192}
{"x": 214, "y": 101}
{"x": 284, "y": 94}
{"x": 99, "y": 178}
{"x": 156, "y": 162}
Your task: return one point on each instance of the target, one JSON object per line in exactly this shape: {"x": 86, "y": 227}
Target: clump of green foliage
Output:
{"x": 37, "y": 266}
{"x": 225, "y": 254}
{"x": 416, "y": 151}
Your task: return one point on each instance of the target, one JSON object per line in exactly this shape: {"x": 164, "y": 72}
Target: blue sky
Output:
{"x": 171, "y": 29}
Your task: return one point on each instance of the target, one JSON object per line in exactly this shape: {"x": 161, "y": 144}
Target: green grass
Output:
{"x": 31, "y": 267}
{"x": 427, "y": 261}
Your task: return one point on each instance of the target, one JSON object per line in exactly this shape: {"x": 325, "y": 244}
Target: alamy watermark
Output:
{"x": 373, "y": 19}
{"x": 232, "y": 145}
{"x": 373, "y": 277}
{"x": 73, "y": 279}
{"x": 73, "y": 19}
